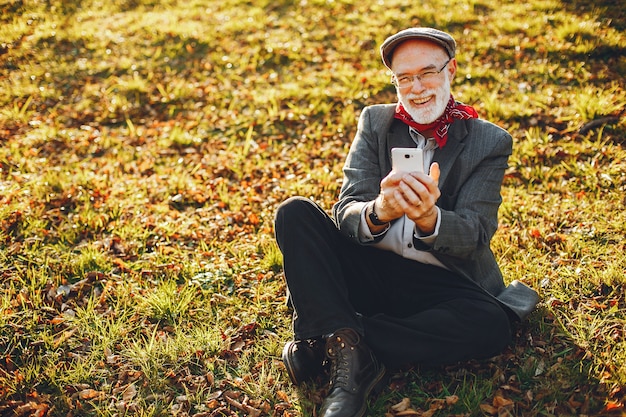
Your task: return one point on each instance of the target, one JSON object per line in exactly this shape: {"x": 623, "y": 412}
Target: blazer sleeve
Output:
{"x": 471, "y": 196}
{"x": 362, "y": 169}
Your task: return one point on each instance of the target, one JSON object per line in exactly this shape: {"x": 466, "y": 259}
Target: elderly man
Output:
{"x": 403, "y": 272}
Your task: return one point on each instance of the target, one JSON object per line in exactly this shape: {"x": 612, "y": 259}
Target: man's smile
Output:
{"x": 421, "y": 101}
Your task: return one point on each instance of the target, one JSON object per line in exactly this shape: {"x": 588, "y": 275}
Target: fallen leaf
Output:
{"x": 499, "y": 402}
{"x": 214, "y": 395}
{"x": 429, "y": 413}
{"x": 613, "y": 406}
{"x": 59, "y": 340}
{"x": 282, "y": 395}
{"x": 486, "y": 408}
{"x": 409, "y": 412}
{"x": 402, "y": 405}
{"x": 129, "y": 393}
{"x": 452, "y": 399}
{"x": 541, "y": 366}
{"x": 88, "y": 394}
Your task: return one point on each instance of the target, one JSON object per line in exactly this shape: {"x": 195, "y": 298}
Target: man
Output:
{"x": 404, "y": 272}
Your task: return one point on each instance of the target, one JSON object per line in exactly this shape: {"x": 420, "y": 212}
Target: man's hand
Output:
{"x": 413, "y": 194}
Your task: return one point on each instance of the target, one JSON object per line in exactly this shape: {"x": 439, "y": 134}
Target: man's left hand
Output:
{"x": 417, "y": 194}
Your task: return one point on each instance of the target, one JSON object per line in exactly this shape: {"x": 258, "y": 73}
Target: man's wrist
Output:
{"x": 427, "y": 225}
{"x": 373, "y": 216}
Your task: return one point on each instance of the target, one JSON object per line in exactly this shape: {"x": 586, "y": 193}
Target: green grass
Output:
{"x": 145, "y": 145}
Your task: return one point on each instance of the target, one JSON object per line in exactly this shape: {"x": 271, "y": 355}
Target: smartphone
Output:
{"x": 407, "y": 160}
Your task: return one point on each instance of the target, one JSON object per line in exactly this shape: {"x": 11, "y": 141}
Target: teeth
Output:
{"x": 418, "y": 102}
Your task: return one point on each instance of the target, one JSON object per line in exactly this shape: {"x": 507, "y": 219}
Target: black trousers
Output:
{"x": 407, "y": 312}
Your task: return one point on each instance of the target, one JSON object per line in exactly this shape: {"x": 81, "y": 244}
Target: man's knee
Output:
{"x": 299, "y": 215}
{"x": 293, "y": 207}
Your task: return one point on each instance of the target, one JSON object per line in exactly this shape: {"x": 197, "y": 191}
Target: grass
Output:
{"x": 145, "y": 146}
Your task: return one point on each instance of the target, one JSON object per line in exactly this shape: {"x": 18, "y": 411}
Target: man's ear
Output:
{"x": 452, "y": 68}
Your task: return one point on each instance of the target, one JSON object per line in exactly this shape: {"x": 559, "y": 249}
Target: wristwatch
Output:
{"x": 374, "y": 217}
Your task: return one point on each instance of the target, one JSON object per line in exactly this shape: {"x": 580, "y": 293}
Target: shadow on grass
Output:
{"x": 145, "y": 88}
{"x": 609, "y": 10}
{"x": 543, "y": 372}
{"x": 71, "y": 7}
{"x": 609, "y": 13}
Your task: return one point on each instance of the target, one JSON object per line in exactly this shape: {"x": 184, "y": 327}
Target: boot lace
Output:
{"x": 339, "y": 353}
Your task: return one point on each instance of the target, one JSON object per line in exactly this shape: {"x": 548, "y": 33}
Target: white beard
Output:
{"x": 434, "y": 110}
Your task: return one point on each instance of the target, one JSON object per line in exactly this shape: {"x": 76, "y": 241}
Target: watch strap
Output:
{"x": 373, "y": 216}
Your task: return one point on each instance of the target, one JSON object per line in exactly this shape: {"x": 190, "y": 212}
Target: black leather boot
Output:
{"x": 305, "y": 360}
{"x": 354, "y": 373}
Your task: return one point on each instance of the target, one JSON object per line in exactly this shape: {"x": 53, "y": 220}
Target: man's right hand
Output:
{"x": 399, "y": 192}
{"x": 388, "y": 208}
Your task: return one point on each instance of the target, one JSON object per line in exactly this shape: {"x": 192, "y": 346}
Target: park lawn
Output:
{"x": 145, "y": 145}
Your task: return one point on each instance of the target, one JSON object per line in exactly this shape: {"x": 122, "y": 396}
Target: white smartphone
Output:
{"x": 407, "y": 160}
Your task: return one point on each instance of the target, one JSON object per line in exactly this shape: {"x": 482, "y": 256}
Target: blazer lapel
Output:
{"x": 397, "y": 137}
{"x": 447, "y": 155}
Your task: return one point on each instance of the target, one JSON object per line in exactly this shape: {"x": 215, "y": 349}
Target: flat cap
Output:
{"x": 443, "y": 39}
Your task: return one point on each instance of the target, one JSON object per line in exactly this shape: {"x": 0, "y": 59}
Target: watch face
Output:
{"x": 374, "y": 218}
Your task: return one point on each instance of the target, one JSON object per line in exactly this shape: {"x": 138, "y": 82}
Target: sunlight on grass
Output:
{"x": 593, "y": 102}
{"x": 147, "y": 144}
{"x": 169, "y": 302}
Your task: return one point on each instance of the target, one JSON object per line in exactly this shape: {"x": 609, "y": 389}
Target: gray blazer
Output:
{"x": 472, "y": 166}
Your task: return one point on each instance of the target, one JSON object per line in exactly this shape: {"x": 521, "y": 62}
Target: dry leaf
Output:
{"x": 613, "y": 406}
{"x": 59, "y": 340}
{"x": 402, "y": 405}
{"x": 282, "y": 395}
{"x": 429, "y": 413}
{"x": 88, "y": 394}
{"x": 238, "y": 346}
{"x": 452, "y": 399}
{"x": 214, "y": 395}
{"x": 541, "y": 367}
{"x": 486, "y": 408}
{"x": 210, "y": 378}
{"x": 129, "y": 393}
{"x": 437, "y": 404}
{"x": 499, "y": 401}
{"x": 25, "y": 408}
{"x": 409, "y": 412}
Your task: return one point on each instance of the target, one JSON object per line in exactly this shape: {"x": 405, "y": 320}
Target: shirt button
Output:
{"x": 410, "y": 245}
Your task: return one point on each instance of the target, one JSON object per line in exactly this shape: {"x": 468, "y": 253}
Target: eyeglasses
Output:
{"x": 425, "y": 77}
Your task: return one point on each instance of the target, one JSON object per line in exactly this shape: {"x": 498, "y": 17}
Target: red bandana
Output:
{"x": 454, "y": 110}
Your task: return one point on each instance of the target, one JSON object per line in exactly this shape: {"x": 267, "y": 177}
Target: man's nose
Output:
{"x": 417, "y": 84}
